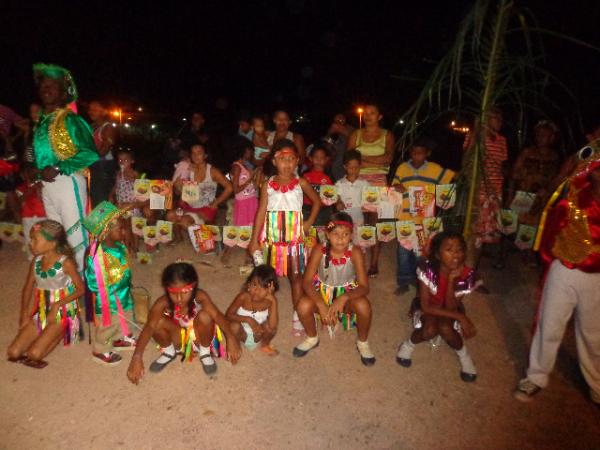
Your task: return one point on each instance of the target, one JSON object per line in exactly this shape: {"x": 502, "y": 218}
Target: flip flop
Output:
{"x": 35, "y": 364}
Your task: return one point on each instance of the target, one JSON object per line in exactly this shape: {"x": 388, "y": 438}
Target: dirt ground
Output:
{"x": 325, "y": 400}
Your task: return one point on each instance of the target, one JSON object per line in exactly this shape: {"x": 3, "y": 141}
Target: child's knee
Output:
{"x": 361, "y": 306}
{"x": 430, "y": 331}
{"x": 35, "y": 354}
{"x": 304, "y": 306}
{"x": 13, "y": 352}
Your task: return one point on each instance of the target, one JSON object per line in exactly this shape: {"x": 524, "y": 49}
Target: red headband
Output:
{"x": 184, "y": 289}
{"x": 285, "y": 150}
{"x": 331, "y": 225}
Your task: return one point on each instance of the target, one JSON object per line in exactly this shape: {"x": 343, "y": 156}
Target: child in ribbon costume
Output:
{"x": 186, "y": 317}
{"x": 279, "y": 226}
{"x": 253, "y": 312}
{"x": 108, "y": 277}
{"x": 55, "y": 285}
{"x": 336, "y": 287}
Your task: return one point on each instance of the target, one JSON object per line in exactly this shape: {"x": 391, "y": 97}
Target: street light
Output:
{"x": 360, "y": 111}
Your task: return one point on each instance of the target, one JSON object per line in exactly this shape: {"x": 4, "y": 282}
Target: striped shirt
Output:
{"x": 495, "y": 154}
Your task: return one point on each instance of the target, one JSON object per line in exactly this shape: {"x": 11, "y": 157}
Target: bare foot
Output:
{"x": 269, "y": 350}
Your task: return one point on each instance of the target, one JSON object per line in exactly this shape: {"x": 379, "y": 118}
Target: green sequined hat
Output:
{"x": 101, "y": 216}
{"x": 41, "y": 71}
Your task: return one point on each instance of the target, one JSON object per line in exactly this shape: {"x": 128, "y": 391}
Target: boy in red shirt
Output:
{"x": 316, "y": 176}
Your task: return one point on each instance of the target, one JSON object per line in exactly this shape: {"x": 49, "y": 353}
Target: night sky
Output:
{"x": 311, "y": 55}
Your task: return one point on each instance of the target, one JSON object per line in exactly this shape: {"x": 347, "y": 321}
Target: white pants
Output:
{"x": 567, "y": 290}
{"x": 65, "y": 200}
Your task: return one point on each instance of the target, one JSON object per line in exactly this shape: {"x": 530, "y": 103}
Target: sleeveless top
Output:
{"x": 271, "y": 137}
{"x": 52, "y": 279}
{"x": 340, "y": 272}
{"x": 245, "y": 175}
{"x": 124, "y": 189}
{"x": 375, "y": 148}
{"x": 207, "y": 187}
{"x": 284, "y": 198}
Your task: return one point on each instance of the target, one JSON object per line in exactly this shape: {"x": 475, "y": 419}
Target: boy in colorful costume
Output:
{"x": 570, "y": 246}
{"x": 108, "y": 277}
{"x": 63, "y": 150}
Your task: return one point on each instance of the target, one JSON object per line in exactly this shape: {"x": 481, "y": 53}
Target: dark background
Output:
{"x": 316, "y": 57}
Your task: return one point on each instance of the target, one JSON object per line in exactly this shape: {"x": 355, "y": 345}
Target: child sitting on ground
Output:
{"x": 253, "y": 313}
{"x": 54, "y": 285}
{"x": 336, "y": 287}
{"x": 444, "y": 280}
{"x": 108, "y": 277}
{"x": 186, "y": 317}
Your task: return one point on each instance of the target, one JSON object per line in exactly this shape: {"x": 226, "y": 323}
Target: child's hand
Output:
{"x": 468, "y": 329}
{"x": 234, "y": 351}
{"x": 135, "y": 372}
{"x": 336, "y": 308}
{"x": 256, "y": 328}
{"x": 324, "y": 313}
{"x": 307, "y": 226}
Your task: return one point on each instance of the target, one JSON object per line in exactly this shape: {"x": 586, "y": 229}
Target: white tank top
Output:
{"x": 291, "y": 200}
{"x": 271, "y": 137}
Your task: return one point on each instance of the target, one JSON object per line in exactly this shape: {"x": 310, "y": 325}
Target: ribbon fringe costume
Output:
{"x": 52, "y": 286}
{"x": 188, "y": 336}
{"x": 283, "y": 232}
{"x": 334, "y": 278}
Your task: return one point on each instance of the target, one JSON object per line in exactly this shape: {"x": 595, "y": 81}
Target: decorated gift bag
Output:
{"x": 445, "y": 196}
{"x": 370, "y": 198}
{"x": 137, "y": 225}
{"x": 507, "y": 221}
{"x": 367, "y": 236}
{"x": 161, "y": 194}
{"x": 165, "y": 231}
{"x": 144, "y": 258}
{"x": 230, "y": 236}
{"x": 386, "y": 231}
{"x": 422, "y": 200}
{"x": 328, "y": 194}
{"x": 244, "y": 236}
{"x": 141, "y": 189}
{"x": 525, "y": 237}
{"x": 203, "y": 239}
{"x": 190, "y": 192}
{"x": 150, "y": 235}
{"x": 522, "y": 202}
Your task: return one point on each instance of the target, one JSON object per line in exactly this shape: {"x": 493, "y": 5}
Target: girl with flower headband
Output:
{"x": 336, "y": 287}
{"x": 186, "y": 317}
{"x": 279, "y": 226}
{"x": 55, "y": 285}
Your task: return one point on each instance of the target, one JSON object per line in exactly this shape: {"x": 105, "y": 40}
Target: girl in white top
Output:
{"x": 253, "y": 313}
{"x": 279, "y": 227}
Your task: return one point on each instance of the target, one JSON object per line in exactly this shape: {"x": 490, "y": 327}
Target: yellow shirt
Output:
{"x": 375, "y": 148}
{"x": 429, "y": 173}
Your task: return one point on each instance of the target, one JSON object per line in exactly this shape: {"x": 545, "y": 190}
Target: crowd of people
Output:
{"x": 72, "y": 188}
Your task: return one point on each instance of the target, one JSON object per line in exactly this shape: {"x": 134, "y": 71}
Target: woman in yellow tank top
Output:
{"x": 376, "y": 146}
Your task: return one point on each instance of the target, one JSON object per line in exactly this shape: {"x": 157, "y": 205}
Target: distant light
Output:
{"x": 129, "y": 118}
{"x": 114, "y": 124}
{"x": 401, "y": 122}
{"x": 453, "y": 123}
{"x": 140, "y": 109}
{"x": 126, "y": 125}
{"x": 153, "y": 126}
{"x": 359, "y": 110}
{"x": 184, "y": 119}
{"x": 115, "y": 113}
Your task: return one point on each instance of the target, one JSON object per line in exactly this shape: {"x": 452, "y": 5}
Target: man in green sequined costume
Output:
{"x": 63, "y": 150}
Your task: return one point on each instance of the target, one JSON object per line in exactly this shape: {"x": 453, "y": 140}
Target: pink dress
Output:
{"x": 246, "y": 201}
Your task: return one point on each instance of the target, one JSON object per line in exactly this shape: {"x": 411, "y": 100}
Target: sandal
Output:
{"x": 156, "y": 366}
{"x": 35, "y": 364}
{"x": 209, "y": 369}
{"x": 268, "y": 350}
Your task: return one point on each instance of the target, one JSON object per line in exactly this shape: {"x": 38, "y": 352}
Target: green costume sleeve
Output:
{"x": 81, "y": 136}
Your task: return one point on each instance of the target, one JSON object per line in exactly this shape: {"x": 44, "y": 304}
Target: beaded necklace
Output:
{"x": 51, "y": 272}
{"x": 284, "y": 188}
{"x": 339, "y": 261}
